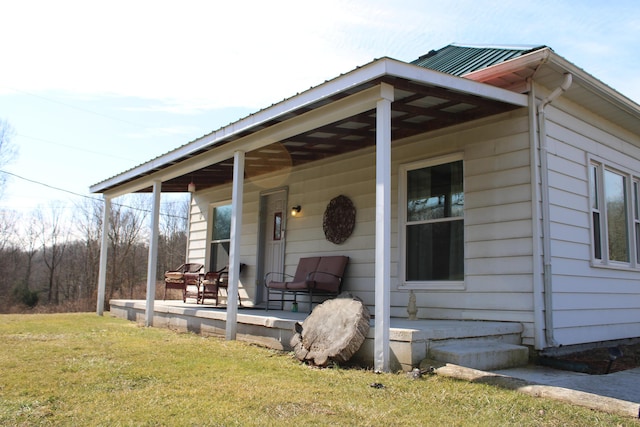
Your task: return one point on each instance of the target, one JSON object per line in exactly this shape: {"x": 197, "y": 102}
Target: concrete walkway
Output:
{"x": 616, "y": 393}
{"x": 623, "y": 385}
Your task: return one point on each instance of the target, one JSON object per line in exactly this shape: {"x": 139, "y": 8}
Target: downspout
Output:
{"x": 546, "y": 211}
{"x": 536, "y": 228}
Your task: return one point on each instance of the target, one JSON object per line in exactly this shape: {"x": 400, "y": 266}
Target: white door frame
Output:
{"x": 262, "y": 227}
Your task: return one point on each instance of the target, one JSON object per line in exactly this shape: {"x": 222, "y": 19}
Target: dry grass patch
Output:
{"x": 81, "y": 369}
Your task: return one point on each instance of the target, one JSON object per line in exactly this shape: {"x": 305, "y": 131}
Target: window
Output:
{"x": 636, "y": 218}
{"x": 432, "y": 214}
{"x": 615, "y": 216}
{"x": 220, "y": 237}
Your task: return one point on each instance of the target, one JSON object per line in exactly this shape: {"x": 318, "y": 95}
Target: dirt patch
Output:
{"x": 597, "y": 361}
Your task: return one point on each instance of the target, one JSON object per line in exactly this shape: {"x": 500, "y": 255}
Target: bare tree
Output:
{"x": 54, "y": 237}
{"x": 40, "y": 257}
{"x": 9, "y": 250}
{"x": 8, "y": 150}
{"x": 30, "y": 238}
{"x": 8, "y": 228}
{"x": 88, "y": 219}
{"x": 173, "y": 234}
{"x": 128, "y": 261}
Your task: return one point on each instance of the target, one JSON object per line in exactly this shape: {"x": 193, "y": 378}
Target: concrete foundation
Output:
{"x": 410, "y": 341}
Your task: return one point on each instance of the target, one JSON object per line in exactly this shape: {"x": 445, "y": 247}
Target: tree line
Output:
{"x": 49, "y": 260}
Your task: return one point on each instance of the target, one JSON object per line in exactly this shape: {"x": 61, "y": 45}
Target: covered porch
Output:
{"x": 476, "y": 344}
{"x": 369, "y": 108}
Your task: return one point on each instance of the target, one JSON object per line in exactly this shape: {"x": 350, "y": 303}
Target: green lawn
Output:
{"x": 81, "y": 369}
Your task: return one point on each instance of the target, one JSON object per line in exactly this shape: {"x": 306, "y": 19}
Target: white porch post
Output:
{"x": 234, "y": 247}
{"x": 383, "y": 229}
{"x": 104, "y": 249}
{"x": 153, "y": 254}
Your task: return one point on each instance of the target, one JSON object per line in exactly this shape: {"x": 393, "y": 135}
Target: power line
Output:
{"x": 49, "y": 186}
{"x": 73, "y": 147}
{"x": 96, "y": 199}
{"x": 84, "y": 110}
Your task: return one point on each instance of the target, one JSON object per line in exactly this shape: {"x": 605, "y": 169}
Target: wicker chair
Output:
{"x": 213, "y": 281}
{"x": 187, "y": 275}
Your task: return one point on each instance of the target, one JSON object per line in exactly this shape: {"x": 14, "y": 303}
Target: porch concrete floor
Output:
{"x": 410, "y": 340}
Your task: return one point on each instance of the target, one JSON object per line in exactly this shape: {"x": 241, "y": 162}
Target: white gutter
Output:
{"x": 568, "y": 78}
{"x": 546, "y": 211}
{"x": 541, "y": 58}
{"x": 597, "y": 87}
{"x": 536, "y": 232}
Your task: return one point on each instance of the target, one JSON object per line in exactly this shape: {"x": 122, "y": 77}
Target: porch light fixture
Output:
{"x": 295, "y": 210}
{"x": 191, "y": 188}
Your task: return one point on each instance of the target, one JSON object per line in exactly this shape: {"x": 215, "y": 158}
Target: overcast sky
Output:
{"x": 93, "y": 89}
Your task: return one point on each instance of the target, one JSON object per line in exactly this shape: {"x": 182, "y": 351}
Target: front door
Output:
{"x": 273, "y": 218}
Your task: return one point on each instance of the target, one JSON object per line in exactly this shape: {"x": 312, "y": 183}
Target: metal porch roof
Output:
{"x": 424, "y": 100}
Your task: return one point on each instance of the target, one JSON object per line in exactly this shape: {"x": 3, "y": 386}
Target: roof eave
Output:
{"x": 371, "y": 71}
{"x": 529, "y": 60}
{"x": 549, "y": 57}
{"x": 596, "y": 86}
{"x": 298, "y": 101}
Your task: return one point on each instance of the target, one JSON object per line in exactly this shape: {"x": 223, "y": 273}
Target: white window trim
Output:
{"x": 210, "y": 241}
{"x": 436, "y": 285}
{"x": 633, "y": 264}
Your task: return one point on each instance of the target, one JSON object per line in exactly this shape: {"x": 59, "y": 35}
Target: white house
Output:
{"x": 497, "y": 183}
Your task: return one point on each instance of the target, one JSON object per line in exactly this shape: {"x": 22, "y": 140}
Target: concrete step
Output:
{"x": 484, "y": 356}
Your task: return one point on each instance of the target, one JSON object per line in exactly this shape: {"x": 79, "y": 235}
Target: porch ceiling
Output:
{"x": 417, "y": 108}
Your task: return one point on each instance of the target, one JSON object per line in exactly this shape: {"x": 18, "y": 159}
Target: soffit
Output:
{"x": 416, "y": 109}
{"x": 333, "y": 118}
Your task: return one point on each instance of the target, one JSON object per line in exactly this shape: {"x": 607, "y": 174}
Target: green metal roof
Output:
{"x": 460, "y": 59}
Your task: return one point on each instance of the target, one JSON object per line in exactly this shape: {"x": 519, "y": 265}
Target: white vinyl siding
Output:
{"x": 499, "y": 259}
{"x": 592, "y": 301}
{"x": 636, "y": 218}
{"x": 498, "y": 263}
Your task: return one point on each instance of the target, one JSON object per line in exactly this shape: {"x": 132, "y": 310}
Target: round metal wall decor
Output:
{"x": 339, "y": 219}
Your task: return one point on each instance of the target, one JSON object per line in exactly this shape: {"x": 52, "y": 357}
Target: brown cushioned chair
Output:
{"x": 315, "y": 276}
